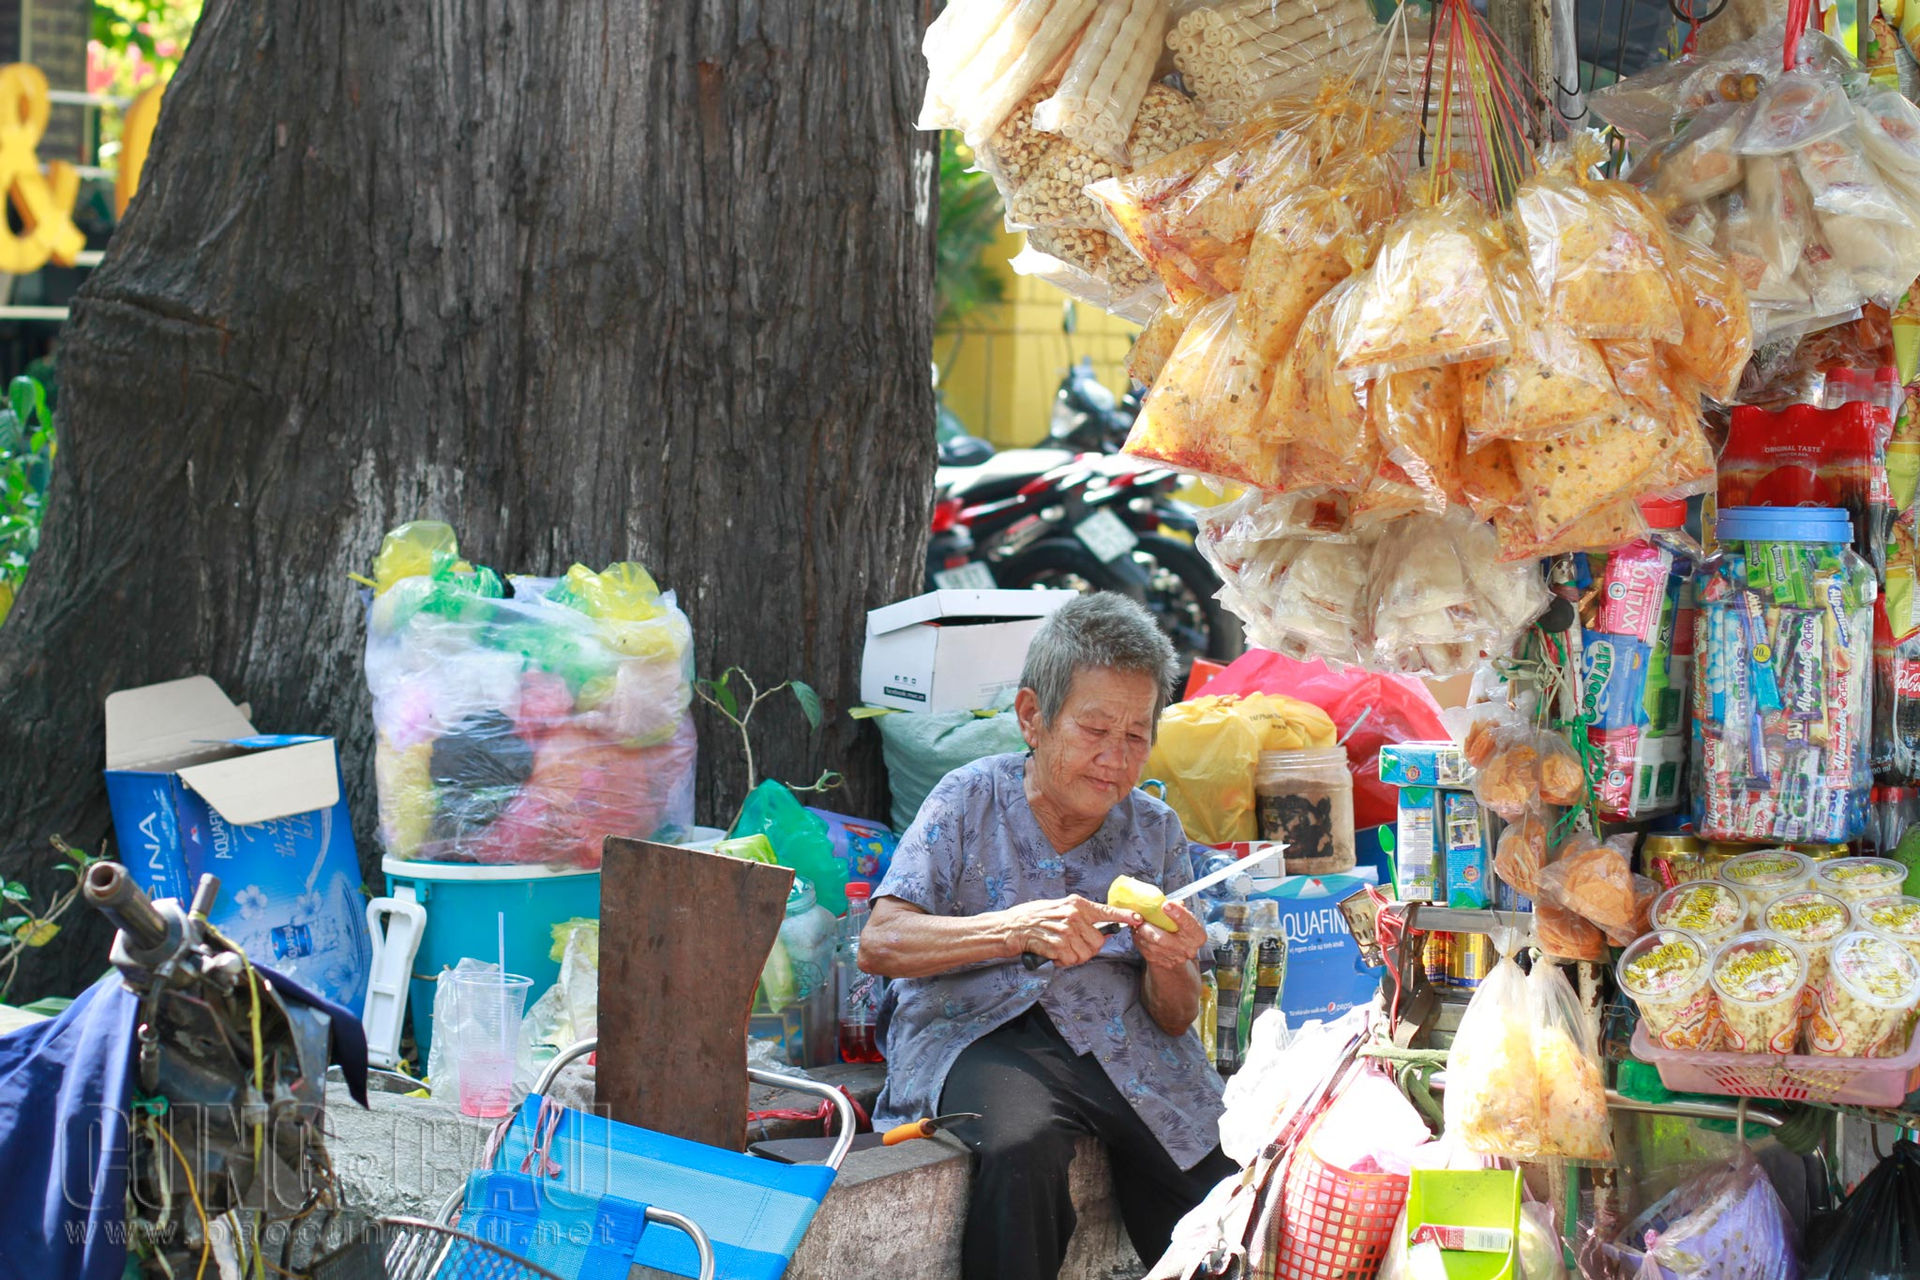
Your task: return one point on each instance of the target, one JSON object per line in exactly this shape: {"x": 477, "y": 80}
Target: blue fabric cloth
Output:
{"x": 66, "y": 1088}
{"x": 976, "y": 847}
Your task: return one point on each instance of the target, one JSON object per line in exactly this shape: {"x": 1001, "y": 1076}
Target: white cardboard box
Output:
{"x": 951, "y": 650}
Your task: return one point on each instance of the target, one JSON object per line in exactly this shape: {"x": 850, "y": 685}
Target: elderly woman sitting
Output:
{"x": 1013, "y": 854}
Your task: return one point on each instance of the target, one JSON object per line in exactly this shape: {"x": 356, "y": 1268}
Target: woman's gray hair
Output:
{"x": 1100, "y": 630}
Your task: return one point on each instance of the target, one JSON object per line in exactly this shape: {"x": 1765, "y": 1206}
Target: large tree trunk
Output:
{"x": 590, "y": 281}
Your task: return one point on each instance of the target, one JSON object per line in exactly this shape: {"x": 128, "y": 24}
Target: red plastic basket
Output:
{"x": 1789, "y": 1077}
{"x": 1333, "y": 1224}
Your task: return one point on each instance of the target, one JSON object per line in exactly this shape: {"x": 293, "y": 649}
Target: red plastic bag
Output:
{"x": 1397, "y": 709}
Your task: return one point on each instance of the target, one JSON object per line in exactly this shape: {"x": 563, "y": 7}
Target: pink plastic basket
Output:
{"x": 1792, "y": 1077}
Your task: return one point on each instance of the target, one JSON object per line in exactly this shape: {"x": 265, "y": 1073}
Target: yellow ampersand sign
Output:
{"x": 44, "y": 201}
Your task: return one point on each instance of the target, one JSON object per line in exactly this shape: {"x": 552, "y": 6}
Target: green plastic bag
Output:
{"x": 800, "y": 840}
{"x": 922, "y": 747}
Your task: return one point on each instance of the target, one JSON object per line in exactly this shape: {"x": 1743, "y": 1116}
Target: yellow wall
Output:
{"x": 1001, "y": 365}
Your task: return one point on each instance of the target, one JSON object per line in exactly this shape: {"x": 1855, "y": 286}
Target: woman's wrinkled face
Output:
{"x": 1096, "y": 748}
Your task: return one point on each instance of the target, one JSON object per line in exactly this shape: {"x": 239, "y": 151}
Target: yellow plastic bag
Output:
{"x": 1209, "y": 748}
{"x": 410, "y": 551}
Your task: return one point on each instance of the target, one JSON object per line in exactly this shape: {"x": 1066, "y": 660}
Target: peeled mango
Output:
{"x": 1128, "y": 894}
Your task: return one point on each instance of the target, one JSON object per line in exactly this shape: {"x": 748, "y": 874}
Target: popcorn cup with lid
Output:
{"x": 1758, "y": 979}
{"x": 1865, "y": 1006}
{"x": 1665, "y": 972}
{"x": 1896, "y": 915}
{"x": 1766, "y": 874}
{"x": 1854, "y": 880}
{"x": 1707, "y": 909}
{"x": 1810, "y": 920}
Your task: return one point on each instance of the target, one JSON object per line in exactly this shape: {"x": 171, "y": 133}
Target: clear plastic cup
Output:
{"x": 1865, "y": 1007}
{"x": 1896, "y": 915}
{"x": 1855, "y": 880}
{"x": 1766, "y": 874}
{"x": 1759, "y": 978}
{"x": 485, "y": 1021}
{"x": 1707, "y": 909}
{"x": 1666, "y": 972}
{"x": 1811, "y": 920}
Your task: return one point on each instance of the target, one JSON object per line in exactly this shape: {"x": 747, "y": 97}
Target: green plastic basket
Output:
{"x": 1468, "y": 1198}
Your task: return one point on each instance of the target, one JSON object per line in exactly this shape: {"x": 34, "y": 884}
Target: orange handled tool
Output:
{"x": 924, "y": 1128}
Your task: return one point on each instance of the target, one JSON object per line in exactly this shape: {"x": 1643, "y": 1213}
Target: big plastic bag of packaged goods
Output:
{"x": 526, "y": 729}
{"x": 1418, "y": 418}
{"x": 1106, "y": 78}
{"x": 1596, "y": 255}
{"x": 1571, "y": 1071}
{"x": 1552, "y": 381}
{"x": 1428, "y": 298}
{"x": 1202, "y": 414}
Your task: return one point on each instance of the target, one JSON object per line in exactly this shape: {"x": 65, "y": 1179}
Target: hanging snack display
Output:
{"x": 1811, "y": 193}
{"x": 1457, "y": 387}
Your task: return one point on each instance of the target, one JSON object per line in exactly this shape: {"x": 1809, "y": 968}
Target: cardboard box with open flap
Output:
{"x": 951, "y": 650}
{"x": 194, "y": 788}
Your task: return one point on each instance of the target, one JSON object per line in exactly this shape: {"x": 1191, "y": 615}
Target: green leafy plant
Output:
{"x": 723, "y": 697}
{"x": 24, "y": 927}
{"x": 27, "y": 447}
{"x": 970, "y": 223}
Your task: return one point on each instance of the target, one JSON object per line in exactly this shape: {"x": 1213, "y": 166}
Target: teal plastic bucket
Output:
{"x": 464, "y": 904}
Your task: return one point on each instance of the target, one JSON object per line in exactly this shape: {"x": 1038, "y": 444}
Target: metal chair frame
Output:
{"x": 666, "y": 1217}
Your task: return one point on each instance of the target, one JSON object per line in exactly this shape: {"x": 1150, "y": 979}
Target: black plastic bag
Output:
{"x": 1875, "y": 1235}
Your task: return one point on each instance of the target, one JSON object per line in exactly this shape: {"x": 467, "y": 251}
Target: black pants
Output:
{"x": 1036, "y": 1096}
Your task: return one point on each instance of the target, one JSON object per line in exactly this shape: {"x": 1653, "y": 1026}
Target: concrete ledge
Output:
{"x": 893, "y": 1214}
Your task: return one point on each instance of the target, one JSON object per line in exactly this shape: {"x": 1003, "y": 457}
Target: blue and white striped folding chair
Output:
{"x": 558, "y": 1177}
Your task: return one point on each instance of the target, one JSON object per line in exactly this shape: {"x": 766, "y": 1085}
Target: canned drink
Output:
{"x": 1822, "y": 852}
{"x": 1438, "y": 950}
{"x": 1671, "y": 859}
{"x": 1470, "y": 959}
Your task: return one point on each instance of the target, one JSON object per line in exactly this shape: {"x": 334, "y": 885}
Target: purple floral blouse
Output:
{"x": 977, "y": 847}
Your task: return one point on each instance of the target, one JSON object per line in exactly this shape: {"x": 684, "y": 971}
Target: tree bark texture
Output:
{"x": 590, "y": 281}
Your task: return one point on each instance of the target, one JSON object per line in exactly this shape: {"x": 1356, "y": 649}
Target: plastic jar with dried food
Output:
{"x": 1710, "y": 911}
{"x": 1666, "y": 973}
{"x": 1897, "y": 916}
{"x": 1759, "y": 978}
{"x": 1766, "y": 874}
{"x": 1305, "y": 798}
{"x": 1857, "y": 880}
{"x": 1865, "y": 1008}
{"x": 1810, "y": 920}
